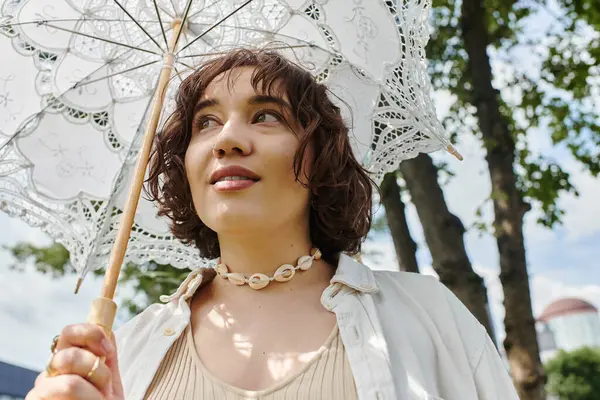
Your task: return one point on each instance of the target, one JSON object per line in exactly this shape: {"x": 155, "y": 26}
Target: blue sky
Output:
{"x": 562, "y": 262}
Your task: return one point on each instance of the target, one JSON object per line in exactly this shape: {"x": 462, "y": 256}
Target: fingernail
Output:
{"x": 107, "y": 345}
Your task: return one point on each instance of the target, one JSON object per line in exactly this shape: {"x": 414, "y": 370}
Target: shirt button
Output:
{"x": 356, "y": 333}
{"x": 168, "y": 331}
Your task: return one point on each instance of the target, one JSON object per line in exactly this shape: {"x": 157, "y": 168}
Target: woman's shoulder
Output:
{"x": 426, "y": 293}
{"x": 411, "y": 281}
{"x": 425, "y": 290}
{"x": 434, "y": 307}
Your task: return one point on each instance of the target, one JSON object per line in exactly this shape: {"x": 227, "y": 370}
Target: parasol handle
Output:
{"x": 103, "y": 308}
{"x": 102, "y": 313}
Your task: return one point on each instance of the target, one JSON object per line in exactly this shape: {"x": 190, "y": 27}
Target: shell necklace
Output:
{"x": 258, "y": 281}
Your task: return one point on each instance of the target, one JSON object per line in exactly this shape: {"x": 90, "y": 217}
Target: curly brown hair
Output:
{"x": 341, "y": 189}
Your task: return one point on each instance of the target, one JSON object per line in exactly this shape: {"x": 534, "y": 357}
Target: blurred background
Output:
{"x": 513, "y": 230}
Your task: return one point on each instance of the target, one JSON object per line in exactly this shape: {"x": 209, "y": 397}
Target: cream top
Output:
{"x": 181, "y": 376}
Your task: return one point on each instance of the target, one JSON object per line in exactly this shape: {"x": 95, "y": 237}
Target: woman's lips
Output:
{"x": 233, "y": 185}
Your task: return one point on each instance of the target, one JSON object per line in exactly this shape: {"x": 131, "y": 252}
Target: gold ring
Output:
{"x": 54, "y": 344}
{"x": 94, "y": 368}
{"x": 50, "y": 370}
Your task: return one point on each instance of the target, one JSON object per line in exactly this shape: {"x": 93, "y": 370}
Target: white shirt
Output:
{"x": 406, "y": 337}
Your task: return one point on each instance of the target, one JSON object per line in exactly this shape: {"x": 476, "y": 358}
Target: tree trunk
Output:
{"x": 521, "y": 339}
{"x": 444, "y": 235}
{"x": 395, "y": 212}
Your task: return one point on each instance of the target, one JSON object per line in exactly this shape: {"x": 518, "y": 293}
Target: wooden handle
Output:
{"x": 120, "y": 246}
{"x": 102, "y": 313}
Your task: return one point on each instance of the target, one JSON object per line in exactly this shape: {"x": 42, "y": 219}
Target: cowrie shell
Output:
{"x": 284, "y": 273}
{"x": 236, "y": 278}
{"x": 258, "y": 281}
{"x": 316, "y": 253}
{"x": 222, "y": 270}
{"x": 305, "y": 262}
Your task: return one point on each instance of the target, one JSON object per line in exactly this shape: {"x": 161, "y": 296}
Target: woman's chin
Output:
{"x": 235, "y": 219}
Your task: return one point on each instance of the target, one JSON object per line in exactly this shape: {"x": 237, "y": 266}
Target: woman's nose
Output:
{"x": 232, "y": 140}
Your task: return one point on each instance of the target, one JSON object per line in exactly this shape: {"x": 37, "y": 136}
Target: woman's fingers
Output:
{"x": 112, "y": 362}
{"x": 81, "y": 362}
{"x": 89, "y": 336}
{"x": 84, "y": 366}
{"x": 33, "y": 395}
{"x": 64, "y": 387}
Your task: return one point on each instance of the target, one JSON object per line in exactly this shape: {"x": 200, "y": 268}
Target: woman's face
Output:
{"x": 239, "y": 162}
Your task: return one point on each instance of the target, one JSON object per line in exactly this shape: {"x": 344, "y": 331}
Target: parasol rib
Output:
{"x": 82, "y": 83}
{"x": 185, "y": 35}
{"x": 178, "y": 74}
{"x": 184, "y": 19}
{"x": 174, "y": 8}
{"x": 202, "y": 9}
{"x": 138, "y": 24}
{"x": 98, "y": 38}
{"x": 308, "y": 44}
{"x": 45, "y": 21}
{"x": 162, "y": 28}
{"x": 214, "y": 26}
{"x": 300, "y": 46}
{"x": 185, "y": 65}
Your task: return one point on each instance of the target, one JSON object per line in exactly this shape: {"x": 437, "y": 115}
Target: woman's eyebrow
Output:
{"x": 266, "y": 99}
{"x": 205, "y": 104}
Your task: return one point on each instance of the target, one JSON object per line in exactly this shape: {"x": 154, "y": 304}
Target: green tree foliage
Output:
{"x": 575, "y": 375}
{"x": 557, "y": 97}
{"x": 53, "y": 260}
{"x": 149, "y": 281}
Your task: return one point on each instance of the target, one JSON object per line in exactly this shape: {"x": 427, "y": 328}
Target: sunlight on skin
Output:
{"x": 262, "y": 353}
{"x": 279, "y": 364}
{"x": 242, "y": 344}
{"x": 221, "y": 319}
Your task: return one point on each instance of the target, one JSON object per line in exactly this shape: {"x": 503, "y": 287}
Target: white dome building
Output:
{"x": 567, "y": 324}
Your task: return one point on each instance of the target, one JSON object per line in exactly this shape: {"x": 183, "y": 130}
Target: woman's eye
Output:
{"x": 264, "y": 116}
{"x": 207, "y": 123}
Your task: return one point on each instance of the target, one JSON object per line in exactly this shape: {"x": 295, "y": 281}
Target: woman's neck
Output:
{"x": 264, "y": 253}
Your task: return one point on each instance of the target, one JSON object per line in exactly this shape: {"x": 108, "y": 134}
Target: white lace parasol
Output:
{"x": 78, "y": 78}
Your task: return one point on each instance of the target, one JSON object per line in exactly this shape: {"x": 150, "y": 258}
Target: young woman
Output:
{"x": 255, "y": 168}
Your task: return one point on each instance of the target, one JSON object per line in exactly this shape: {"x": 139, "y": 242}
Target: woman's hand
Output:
{"x": 76, "y": 371}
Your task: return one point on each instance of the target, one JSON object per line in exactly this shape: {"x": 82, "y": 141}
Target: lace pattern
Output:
{"x": 74, "y": 99}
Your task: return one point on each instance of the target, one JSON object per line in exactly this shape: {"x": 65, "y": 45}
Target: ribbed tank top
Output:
{"x": 181, "y": 376}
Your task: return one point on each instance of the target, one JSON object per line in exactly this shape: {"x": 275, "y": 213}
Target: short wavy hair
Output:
{"x": 341, "y": 189}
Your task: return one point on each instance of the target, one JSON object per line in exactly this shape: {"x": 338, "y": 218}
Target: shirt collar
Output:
{"x": 355, "y": 275}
